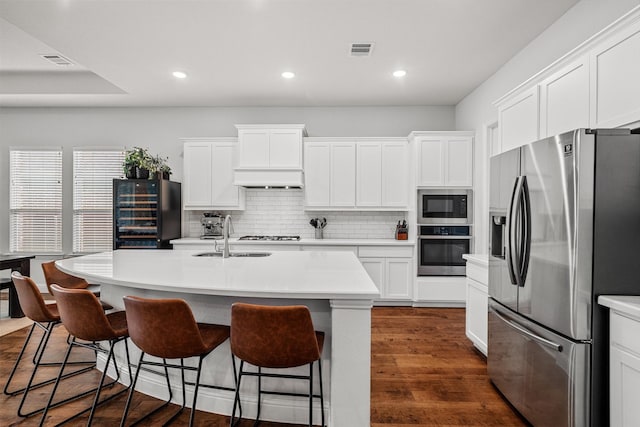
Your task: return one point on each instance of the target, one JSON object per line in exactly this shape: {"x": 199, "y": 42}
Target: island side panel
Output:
{"x": 350, "y": 363}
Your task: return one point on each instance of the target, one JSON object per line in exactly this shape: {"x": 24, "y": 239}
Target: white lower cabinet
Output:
{"x": 624, "y": 370}
{"x": 477, "y": 314}
{"x": 391, "y": 269}
{"x": 477, "y": 301}
{"x": 375, "y": 268}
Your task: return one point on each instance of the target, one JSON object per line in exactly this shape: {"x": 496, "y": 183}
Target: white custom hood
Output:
{"x": 270, "y": 156}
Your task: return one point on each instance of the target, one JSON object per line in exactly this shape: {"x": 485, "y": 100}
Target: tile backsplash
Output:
{"x": 281, "y": 212}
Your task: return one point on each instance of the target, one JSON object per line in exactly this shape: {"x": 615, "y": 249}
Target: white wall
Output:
{"x": 475, "y": 111}
{"x": 160, "y": 130}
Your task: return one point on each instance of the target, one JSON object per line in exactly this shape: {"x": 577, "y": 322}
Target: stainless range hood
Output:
{"x": 270, "y": 156}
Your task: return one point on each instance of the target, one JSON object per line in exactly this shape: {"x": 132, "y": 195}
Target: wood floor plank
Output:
{"x": 424, "y": 372}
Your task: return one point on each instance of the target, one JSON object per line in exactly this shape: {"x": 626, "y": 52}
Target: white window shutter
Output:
{"x": 35, "y": 200}
{"x": 93, "y": 174}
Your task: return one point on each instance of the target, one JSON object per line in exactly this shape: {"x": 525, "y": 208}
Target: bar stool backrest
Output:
{"x": 31, "y": 300}
{"x": 163, "y": 327}
{"x": 53, "y": 275}
{"x": 273, "y": 337}
{"x": 82, "y": 314}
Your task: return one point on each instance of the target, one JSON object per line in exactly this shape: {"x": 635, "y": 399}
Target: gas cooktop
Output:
{"x": 279, "y": 238}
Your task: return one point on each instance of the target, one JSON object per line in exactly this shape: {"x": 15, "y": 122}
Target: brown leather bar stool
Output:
{"x": 83, "y": 316}
{"x": 53, "y": 275}
{"x": 46, "y": 317}
{"x": 275, "y": 337}
{"x": 166, "y": 328}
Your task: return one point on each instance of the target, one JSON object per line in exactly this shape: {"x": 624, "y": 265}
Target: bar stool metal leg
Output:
{"x": 37, "y": 361}
{"x": 133, "y": 386}
{"x": 97, "y": 390}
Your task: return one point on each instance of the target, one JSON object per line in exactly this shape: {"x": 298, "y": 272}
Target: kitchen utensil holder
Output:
{"x": 319, "y": 233}
{"x": 402, "y": 234}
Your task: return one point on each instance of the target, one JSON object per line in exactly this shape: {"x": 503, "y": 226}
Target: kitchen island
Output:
{"x": 334, "y": 286}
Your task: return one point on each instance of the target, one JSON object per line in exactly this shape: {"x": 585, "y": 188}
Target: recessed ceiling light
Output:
{"x": 288, "y": 75}
{"x": 399, "y": 73}
{"x": 179, "y": 74}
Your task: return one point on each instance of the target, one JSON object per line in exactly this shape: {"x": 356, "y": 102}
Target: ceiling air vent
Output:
{"x": 57, "y": 59}
{"x": 361, "y": 49}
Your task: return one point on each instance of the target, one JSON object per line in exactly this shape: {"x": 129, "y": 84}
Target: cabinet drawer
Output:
{"x": 385, "y": 251}
{"x": 478, "y": 273}
{"x": 353, "y": 249}
{"x": 625, "y": 332}
{"x": 262, "y": 248}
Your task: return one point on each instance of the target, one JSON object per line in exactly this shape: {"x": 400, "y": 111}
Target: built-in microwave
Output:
{"x": 444, "y": 206}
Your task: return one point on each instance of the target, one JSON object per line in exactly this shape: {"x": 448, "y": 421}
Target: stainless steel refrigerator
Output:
{"x": 564, "y": 229}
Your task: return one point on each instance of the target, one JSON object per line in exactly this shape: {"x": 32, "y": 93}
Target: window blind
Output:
{"x": 93, "y": 173}
{"x": 35, "y": 200}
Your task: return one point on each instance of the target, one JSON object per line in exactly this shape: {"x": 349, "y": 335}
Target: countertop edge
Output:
{"x": 301, "y": 242}
{"x": 479, "y": 259}
{"x": 624, "y": 304}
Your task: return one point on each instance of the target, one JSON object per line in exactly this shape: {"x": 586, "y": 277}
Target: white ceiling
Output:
{"x": 235, "y": 50}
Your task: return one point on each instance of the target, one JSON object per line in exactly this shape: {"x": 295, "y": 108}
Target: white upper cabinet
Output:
{"x": 431, "y": 163}
{"x": 369, "y": 178}
{"x": 208, "y": 174}
{"x": 285, "y": 148}
{"x": 595, "y": 85}
{"x": 564, "y": 99}
{"x": 395, "y": 174}
{"x": 254, "y": 148}
{"x": 518, "y": 118}
{"x": 317, "y": 177}
{"x": 343, "y": 174}
{"x": 196, "y": 187}
{"x": 269, "y": 155}
{"x": 615, "y": 83}
{"x": 356, "y": 173}
{"x": 445, "y": 159}
{"x": 458, "y": 162}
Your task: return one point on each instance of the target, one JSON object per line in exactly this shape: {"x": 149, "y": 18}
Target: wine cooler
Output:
{"x": 146, "y": 213}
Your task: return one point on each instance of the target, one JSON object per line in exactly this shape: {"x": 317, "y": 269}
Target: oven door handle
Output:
{"x": 441, "y": 237}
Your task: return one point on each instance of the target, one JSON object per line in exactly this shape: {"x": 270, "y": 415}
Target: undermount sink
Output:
{"x": 234, "y": 254}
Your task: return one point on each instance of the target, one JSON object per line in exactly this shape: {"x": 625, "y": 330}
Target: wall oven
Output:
{"x": 440, "y": 249}
{"x": 444, "y": 206}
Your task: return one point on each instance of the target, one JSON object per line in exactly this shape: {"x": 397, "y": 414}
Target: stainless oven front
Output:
{"x": 440, "y": 249}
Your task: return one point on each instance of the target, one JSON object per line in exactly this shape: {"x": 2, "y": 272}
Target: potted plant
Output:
{"x": 165, "y": 170}
{"x": 153, "y": 164}
{"x": 136, "y": 163}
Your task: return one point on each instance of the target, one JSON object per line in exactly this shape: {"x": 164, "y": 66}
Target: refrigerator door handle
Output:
{"x": 526, "y": 232}
{"x": 512, "y": 256}
{"x": 522, "y": 330}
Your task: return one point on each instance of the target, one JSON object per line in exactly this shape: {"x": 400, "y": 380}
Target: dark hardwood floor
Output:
{"x": 424, "y": 372}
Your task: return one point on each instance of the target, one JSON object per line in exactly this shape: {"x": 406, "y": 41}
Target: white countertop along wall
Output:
{"x": 625, "y": 304}
{"x": 302, "y": 242}
{"x": 480, "y": 259}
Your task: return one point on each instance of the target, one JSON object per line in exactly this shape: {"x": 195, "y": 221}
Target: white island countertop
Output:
{"x": 333, "y": 284}
{"x": 298, "y": 274}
